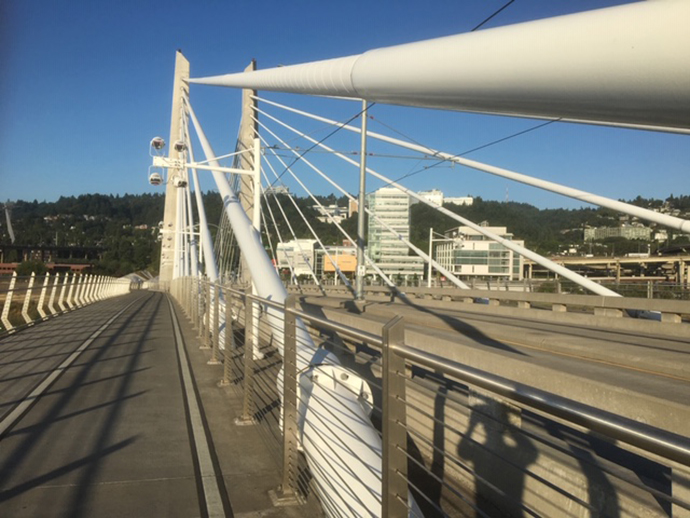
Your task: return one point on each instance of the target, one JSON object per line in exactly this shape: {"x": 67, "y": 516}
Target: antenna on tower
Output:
{"x": 506, "y": 194}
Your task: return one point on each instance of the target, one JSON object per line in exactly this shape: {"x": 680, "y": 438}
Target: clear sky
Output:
{"x": 85, "y": 85}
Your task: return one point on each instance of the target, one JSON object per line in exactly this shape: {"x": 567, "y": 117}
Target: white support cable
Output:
{"x": 311, "y": 229}
{"x": 371, "y": 213}
{"x": 369, "y": 261}
{"x": 264, "y": 224}
{"x": 511, "y": 245}
{"x": 287, "y": 221}
{"x": 583, "y": 196}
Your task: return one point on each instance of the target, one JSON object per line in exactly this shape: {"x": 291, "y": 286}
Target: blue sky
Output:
{"x": 85, "y": 85}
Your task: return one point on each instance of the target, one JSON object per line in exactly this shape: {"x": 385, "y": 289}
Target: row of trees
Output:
{"x": 110, "y": 223}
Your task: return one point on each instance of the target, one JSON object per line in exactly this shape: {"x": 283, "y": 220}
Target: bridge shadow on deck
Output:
{"x": 85, "y": 462}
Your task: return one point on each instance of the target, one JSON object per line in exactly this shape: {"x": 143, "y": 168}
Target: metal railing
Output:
{"x": 458, "y": 439}
{"x": 30, "y": 299}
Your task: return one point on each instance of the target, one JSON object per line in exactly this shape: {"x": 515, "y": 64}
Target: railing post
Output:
{"x": 394, "y": 420}
{"x": 287, "y": 492}
{"x": 215, "y": 352}
{"x": 53, "y": 291}
{"x": 247, "y": 416}
{"x": 27, "y": 299}
{"x": 8, "y": 302}
{"x": 229, "y": 338}
{"x": 206, "y": 326}
{"x": 42, "y": 297}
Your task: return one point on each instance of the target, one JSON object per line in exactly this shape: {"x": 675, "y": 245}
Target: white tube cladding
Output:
{"x": 338, "y": 439}
{"x": 623, "y": 66}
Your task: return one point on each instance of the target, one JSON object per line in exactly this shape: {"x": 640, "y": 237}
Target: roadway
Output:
{"x": 111, "y": 410}
{"x": 645, "y": 377}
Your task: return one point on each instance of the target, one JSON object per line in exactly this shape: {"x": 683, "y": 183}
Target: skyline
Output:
{"x": 89, "y": 86}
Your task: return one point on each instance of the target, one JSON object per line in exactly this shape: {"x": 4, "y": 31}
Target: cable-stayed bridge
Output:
{"x": 367, "y": 398}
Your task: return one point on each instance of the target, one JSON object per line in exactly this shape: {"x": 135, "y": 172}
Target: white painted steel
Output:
{"x": 355, "y": 451}
{"x": 205, "y": 233}
{"x": 61, "y": 300}
{"x": 53, "y": 291}
{"x": 27, "y": 299}
{"x": 586, "y": 197}
{"x": 452, "y": 278}
{"x": 42, "y": 297}
{"x": 8, "y": 302}
{"x": 625, "y": 65}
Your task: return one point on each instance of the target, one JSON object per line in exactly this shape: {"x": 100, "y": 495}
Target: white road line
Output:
{"x": 214, "y": 502}
{"x": 29, "y": 400}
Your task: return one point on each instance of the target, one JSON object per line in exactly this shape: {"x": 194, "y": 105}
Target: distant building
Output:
{"x": 277, "y": 189}
{"x": 351, "y": 207}
{"x": 624, "y": 231}
{"x": 330, "y": 213}
{"x": 386, "y": 248}
{"x": 344, "y": 257}
{"x": 298, "y": 253}
{"x": 467, "y": 253}
{"x": 433, "y": 196}
{"x": 460, "y": 200}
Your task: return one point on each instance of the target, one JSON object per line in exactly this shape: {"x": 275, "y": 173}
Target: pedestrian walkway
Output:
{"x": 99, "y": 416}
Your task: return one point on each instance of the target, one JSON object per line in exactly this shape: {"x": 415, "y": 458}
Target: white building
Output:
{"x": 625, "y": 231}
{"x": 330, "y": 213}
{"x": 467, "y": 253}
{"x": 386, "y": 248}
{"x": 298, "y": 253}
{"x": 460, "y": 200}
{"x": 433, "y": 196}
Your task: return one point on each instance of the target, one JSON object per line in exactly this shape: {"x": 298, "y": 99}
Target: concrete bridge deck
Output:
{"x": 111, "y": 430}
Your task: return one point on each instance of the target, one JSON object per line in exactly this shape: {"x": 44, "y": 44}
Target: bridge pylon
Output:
{"x": 169, "y": 252}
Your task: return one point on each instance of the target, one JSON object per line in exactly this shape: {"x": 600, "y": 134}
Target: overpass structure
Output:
{"x": 394, "y": 402}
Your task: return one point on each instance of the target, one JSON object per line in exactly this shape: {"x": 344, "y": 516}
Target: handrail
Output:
{"x": 654, "y": 440}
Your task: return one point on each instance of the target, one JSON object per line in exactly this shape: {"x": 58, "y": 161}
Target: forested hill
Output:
{"x": 126, "y": 227}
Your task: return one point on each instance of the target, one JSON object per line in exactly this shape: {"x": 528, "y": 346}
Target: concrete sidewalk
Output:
{"x": 111, "y": 435}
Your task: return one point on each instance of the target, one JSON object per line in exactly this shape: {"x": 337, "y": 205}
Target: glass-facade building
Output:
{"x": 467, "y": 253}
{"x": 387, "y": 249}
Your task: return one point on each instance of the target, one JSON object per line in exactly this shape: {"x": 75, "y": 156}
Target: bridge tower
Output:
{"x": 180, "y": 90}
{"x": 247, "y": 134}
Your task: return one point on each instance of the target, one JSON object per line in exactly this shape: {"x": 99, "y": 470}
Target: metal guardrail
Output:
{"x": 28, "y": 300}
{"x": 458, "y": 438}
{"x": 670, "y": 311}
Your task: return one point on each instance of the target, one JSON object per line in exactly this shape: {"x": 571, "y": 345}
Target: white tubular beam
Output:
{"x": 5, "y": 318}
{"x": 51, "y": 300}
{"x": 623, "y": 66}
{"x": 70, "y": 300}
{"x": 371, "y": 214}
{"x": 354, "y": 438}
{"x": 27, "y": 299}
{"x": 204, "y": 232}
{"x": 586, "y": 197}
{"x": 61, "y": 300}
{"x": 42, "y": 298}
